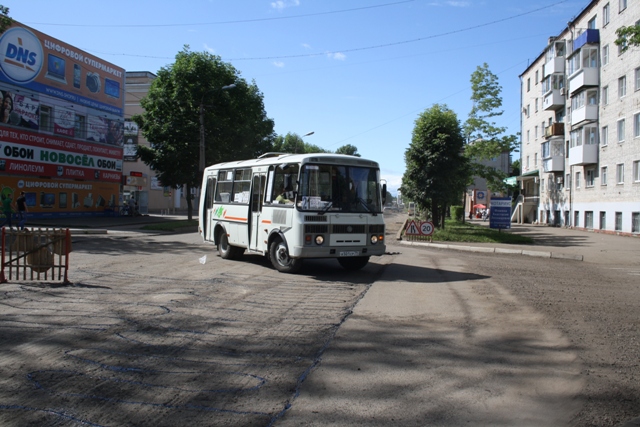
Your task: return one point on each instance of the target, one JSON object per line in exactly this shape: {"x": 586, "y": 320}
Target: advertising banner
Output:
{"x": 60, "y": 198}
{"x": 130, "y": 141}
{"x": 43, "y": 64}
{"x": 500, "y": 212}
{"x": 30, "y": 153}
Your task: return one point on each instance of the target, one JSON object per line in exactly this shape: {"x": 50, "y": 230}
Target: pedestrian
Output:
{"x": 21, "y": 203}
{"x": 7, "y": 210}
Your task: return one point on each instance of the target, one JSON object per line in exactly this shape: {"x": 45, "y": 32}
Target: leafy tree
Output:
{"x": 189, "y": 93}
{"x": 293, "y": 143}
{"x": 515, "y": 168}
{"x": 436, "y": 169}
{"x": 485, "y": 140}
{"x": 5, "y": 19}
{"x": 348, "y": 149}
{"x": 628, "y": 36}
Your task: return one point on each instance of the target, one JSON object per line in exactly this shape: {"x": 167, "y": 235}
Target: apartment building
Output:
{"x": 580, "y": 136}
{"x": 139, "y": 181}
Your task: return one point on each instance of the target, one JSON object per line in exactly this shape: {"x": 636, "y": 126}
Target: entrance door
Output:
{"x": 257, "y": 196}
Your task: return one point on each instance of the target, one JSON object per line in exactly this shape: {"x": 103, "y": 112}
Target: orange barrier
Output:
{"x": 37, "y": 254}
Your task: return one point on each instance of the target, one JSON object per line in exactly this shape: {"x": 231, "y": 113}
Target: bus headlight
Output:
{"x": 319, "y": 240}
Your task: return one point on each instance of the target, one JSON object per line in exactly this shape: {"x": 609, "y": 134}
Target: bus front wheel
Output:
{"x": 355, "y": 263}
{"x": 279, "y": 255}
{"x": 227, "y": 251}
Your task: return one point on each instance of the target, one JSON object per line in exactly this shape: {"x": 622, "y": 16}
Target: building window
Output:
{"x": 536, "y": 76}
{"x": 536, "y": 104}
{"x": 46, "y": 122}
{"x": 603, "y": 220}
{"x": 588, "y": 219}
{"x": 568, "y": 181}
{"x": 605, "y": 95}
{"x": 605, "y": 135}
{"x": 605, "y": 54}
{"x": 606, "y": 13}
{"x": 635, "y": 222}
{"x": 622, "y": 87}
{"x": 528, "y": 110}
{"x": 535, "y": 160}
{"x": 535, "y": 132}
{"x": 528, "y": 84}
{"x": 528, "y": 135}
{"x": 542, "y": 185}
{"x": 603, "y": 175}
{"x": 620, "y": 173}
{"x": 636, "y": 125}
{"x": 636, "y": 171}
{"x": 80, "y": 127}
{"x": 578, "y": 177}
{"x": 618, "y": 221}
{"x": 527, "y": 162}
{"x": 592, "y": 23}
{"x": 637, "y": 79}
{"x": 621, "y": 130}
{"x": 622, "y": 5}
{"x": 590, "y": 177}
{"x": 576, "y": 219}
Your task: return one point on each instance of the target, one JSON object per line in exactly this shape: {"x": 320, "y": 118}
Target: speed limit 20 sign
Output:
{"x": 426, "y": 228}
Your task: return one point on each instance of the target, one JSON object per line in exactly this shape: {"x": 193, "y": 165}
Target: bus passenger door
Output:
{"x": 257, "y": 197}
{"x": 206, "y": 210}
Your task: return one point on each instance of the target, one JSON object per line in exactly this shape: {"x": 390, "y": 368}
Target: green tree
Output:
{"x": 294, "y": 143}
{"x": 436, "y": 169}
{"x": 486, "y": 140}
{"x": 628, "y": 36}
{"x": 5, "y": 19}
{"x": 186, "y": 106}
{"x": 348, "y": 149}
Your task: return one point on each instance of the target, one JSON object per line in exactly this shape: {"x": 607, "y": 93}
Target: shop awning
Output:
{"x": 511, "y": 181}
{"x": 529, "y": 175}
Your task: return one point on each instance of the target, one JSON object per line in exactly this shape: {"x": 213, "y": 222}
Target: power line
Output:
{"x": 404, "y": 41}
{"x": 242, "y": 21}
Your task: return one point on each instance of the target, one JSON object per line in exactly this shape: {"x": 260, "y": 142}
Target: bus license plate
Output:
{"x": 350, "y": 253}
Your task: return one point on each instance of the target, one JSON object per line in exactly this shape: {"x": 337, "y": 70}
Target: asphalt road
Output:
{"x": 149, "y": 335}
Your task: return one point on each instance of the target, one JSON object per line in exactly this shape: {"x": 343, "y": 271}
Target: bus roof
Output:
{"x": 279, "y": 158}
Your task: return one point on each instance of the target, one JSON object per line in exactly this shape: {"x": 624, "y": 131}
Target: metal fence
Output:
{"x": 36, "y": 254}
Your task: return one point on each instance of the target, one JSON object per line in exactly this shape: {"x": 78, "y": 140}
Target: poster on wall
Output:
{"x": 60, "y": 70}
{"x": 19, "y": 110}
{"x": 130, "y": 141}
{"x": 64, "y": 122}
{"x": 30, "y": 153}
{"x": 60, "y": 198}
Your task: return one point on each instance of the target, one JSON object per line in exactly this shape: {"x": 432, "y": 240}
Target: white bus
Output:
{"x": 294, "y": 206}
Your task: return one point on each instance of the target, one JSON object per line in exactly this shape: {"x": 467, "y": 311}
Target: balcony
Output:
{"x": 588, "y": 113}
{"x": 583, "y": 155}
{"x": 556, "y": 129}
{"x": 553, "y": 100}
{"x": 590, "y": 36}
{"x": 553, "y": 164}
{"x": 555, "y": 66}
{"x": 585, "y": 77}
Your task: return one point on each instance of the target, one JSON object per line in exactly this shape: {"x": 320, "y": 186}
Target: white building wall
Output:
{"x": 598, "y": 198}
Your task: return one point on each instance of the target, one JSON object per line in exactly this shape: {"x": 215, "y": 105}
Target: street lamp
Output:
{"x": 306, "y": 134}
{"x": 202, "y": 160}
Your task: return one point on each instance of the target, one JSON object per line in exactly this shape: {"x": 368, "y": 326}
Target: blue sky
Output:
{"x": 353, "y": 72}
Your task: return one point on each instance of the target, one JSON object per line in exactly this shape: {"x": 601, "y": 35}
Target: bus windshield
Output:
{"x": 328, "y": 188}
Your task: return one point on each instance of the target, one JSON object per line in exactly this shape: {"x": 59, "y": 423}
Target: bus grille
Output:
{"x": 376, "y": 228}
{"x": 315, "y": 218}
{"x": 347, "y": 228}
{"x": 316, "y": 228}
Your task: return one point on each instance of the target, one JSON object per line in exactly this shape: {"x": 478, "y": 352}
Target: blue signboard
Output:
{"x": 500, "y": 212}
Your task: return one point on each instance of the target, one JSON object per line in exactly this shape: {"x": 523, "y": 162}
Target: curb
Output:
{"x": 478, "y": 249}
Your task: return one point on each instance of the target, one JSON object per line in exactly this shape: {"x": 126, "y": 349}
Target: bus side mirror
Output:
{"x": 384, "y": 194}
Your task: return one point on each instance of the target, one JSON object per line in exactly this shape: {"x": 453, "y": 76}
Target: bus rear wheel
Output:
{"x": 279, "y": 255}
{"x": 355, "y": 263}
{"x": 226, "y": 250}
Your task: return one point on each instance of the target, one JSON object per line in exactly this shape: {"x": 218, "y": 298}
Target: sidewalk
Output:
{"x": 557, "y": 242}
{"x": 101, "y": 225}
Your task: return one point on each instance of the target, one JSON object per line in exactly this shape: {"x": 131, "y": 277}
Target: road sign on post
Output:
{"x": 426, "y": 228}
{"x": 500, "y": 212}
{"x": 412, "y": 229}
